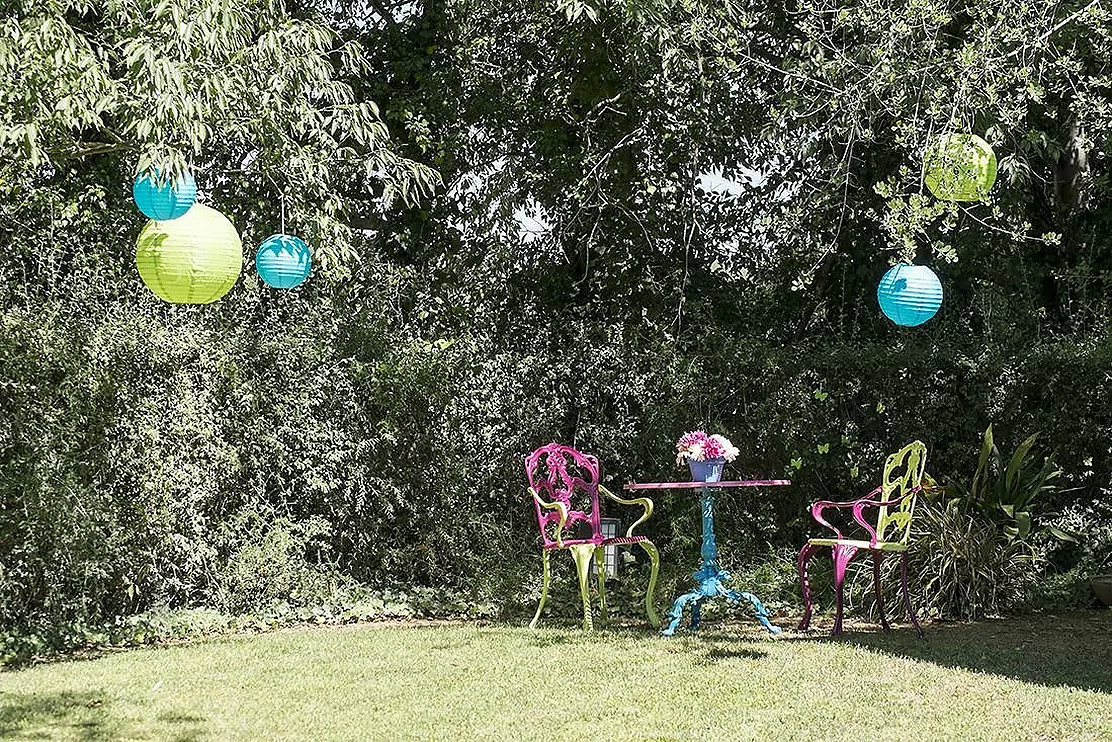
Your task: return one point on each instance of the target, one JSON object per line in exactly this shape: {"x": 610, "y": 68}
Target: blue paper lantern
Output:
{"x": 166, "y": 200}
{"x": 283, "y": 261}
{"x": 909, "y": 295}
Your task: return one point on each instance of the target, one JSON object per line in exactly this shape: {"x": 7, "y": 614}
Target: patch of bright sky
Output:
{"x": 363, "y": 15}
{"x": 532, "y": 224}
{"x": 715, "y": 182}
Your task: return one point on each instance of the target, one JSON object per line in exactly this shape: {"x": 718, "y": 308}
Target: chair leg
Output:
{"x": 600, "y": 569}
{"x": 805, "y": 555}
{"x": 842, "y": 556}
{"x": 654, "y": 570}
{"x": 582, "y": 554}
{"x": 878, "y": 557}
{"x": 544, "y": 591}
{"x": 907, "y": 596}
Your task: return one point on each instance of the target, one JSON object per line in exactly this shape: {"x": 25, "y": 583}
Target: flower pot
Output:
{"x": 1102, "y": 586}
{"x": 706, "y": 471}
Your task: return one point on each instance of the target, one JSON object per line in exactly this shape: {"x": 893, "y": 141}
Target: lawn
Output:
{"x": 1021, "y": 679}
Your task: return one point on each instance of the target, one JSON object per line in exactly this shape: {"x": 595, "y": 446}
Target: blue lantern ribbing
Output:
{"x": 283, "y": 261}
{"x": 909, "y": 295}
{"x": 163, "y": 201}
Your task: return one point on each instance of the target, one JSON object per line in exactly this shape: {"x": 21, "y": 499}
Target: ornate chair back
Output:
{"x": 562, "y": 474}
{"x": 903, "y": 473}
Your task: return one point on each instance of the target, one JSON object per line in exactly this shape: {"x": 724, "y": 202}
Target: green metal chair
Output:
{"x": 902, "y": 481}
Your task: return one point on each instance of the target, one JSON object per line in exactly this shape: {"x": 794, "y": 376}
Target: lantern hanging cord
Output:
{"x": 281, "y": 204}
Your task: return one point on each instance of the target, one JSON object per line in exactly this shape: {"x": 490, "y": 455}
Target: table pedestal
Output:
{"x": 709, "y": 579}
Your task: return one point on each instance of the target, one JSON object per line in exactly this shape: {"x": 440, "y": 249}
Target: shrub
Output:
{"x": 275, "y": 559}
{"x": 1010, "y": 493}
{"x": 1078, "y": 560}
{"x": 964, "y": 567}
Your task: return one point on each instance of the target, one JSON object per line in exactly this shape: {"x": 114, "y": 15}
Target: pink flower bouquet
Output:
{"x": 705, "y": 454}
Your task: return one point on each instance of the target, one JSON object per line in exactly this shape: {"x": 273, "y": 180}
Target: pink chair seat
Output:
{"x": 617, "y": 541}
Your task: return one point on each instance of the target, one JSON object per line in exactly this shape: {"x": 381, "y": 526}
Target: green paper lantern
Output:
{"x": 960, "y": 167}
{"x": 194, "y": 259}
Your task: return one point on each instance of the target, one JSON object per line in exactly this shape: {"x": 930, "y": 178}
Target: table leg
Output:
{"x": 696, "y": 613}
{"x": 709, "y": 579}
{"x": 758, "y": 608}
{"x": 676, "y": 614}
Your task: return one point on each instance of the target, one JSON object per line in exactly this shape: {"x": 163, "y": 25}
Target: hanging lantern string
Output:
{"x": 958, "y": 110}
{"x": 282, "y": 204}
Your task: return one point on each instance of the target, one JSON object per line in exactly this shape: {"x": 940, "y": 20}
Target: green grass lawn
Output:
{"x": 1023, "y": 679}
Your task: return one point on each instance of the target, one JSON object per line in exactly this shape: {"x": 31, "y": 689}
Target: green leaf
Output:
{"x": 1061, "y": 535}
{"x": 977, "y": 488}
{"x": 1015, "y": 468}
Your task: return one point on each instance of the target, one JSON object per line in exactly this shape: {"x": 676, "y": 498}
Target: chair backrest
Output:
{"x": 903, "y": 472}
{"x": 562, "y": 474}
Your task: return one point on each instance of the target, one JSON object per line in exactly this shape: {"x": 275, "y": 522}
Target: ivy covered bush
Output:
{"x": 518, "y": 239}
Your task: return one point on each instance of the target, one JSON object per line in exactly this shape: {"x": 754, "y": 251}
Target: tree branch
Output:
{"x": 79, "y": 150}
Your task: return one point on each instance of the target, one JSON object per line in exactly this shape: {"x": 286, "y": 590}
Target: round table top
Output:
{"x": 700, "y": 485}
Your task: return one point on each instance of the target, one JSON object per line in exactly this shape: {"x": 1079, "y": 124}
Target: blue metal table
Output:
{"x": 710, "y": 578}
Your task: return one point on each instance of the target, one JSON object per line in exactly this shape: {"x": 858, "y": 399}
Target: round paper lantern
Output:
{"x": 960, "y": 167}
{"x": 191, "y": 260}
{"x": 164, "y": 201}
{"x": 909, "y": 295}
{"x": 283, "y": 261}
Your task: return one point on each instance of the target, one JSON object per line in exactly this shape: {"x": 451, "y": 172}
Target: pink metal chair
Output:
{"x": 560, "y": 480}
{"x": 902, "y": 481}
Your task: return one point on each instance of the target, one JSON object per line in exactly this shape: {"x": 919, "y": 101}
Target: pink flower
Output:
{"x": 712, "y": 449}
{"x": 729, "y": 450}
{"x": 687, "y": 440}
{"x": 690, "y": 446}
{"x": 698, "y": 446}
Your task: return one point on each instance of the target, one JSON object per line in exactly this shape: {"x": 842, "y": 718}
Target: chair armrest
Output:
{"x": 860, "y": 505}
{"x": 818, "y": 507}
{"x": 644, "y": 502}
{"x": 561, "y": 511}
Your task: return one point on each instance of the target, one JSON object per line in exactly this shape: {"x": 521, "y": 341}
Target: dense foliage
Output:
{"x": 621, "y": 220}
